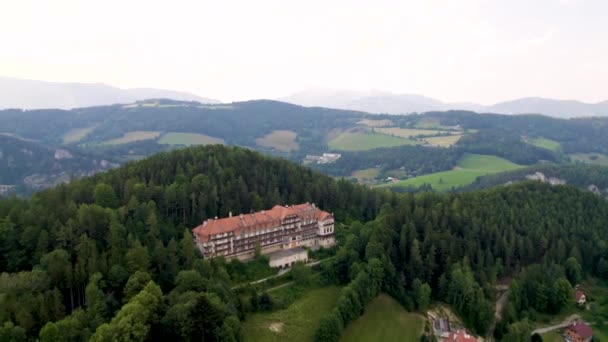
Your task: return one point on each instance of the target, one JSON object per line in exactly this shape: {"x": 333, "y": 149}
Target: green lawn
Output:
{"x": 552, "y": 336}
{"x": 385, "y": 320}
{"x": 296, "y": 323}
{"x": 545, "y": 143}
{"x": 187, "y": 139}
{"x": 470, "y": 166}
{"x": 348, "y": 141}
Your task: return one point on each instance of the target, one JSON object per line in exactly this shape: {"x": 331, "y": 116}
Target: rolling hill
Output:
{"x": 380, "y": 102}
{"x": 32, "y": 94}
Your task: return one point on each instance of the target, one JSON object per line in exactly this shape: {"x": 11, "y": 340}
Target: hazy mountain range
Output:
{"x": 31, "y": 94}
{"x": 390, "y": 103}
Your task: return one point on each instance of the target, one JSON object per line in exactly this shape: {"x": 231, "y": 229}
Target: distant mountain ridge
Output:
{"x": 380, "y": 102}
{"x": 32, "y": 94}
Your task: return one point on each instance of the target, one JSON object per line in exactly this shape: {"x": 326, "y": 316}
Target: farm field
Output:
{"x": 296, "y": 323}
{"x": 348, "y": 141}
{"x": 133, "y": 136}
{"x": 187, "y": 139}
{"x": 281, "y": 140}
{"x": 76, "y": 134}
{"x": 385, "y": 320}
{"x": 433, "y": 123}
{"x": 590, "y": 158}
{"x": 545, "y": 143}
{"x": 444, "y": 141}
{"x": 375, "y": 123}
{"x": 407, "y": 132}
{"x": 470, "y": 166}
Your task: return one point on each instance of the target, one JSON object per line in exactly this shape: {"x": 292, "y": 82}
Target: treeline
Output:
{"x": 455, "y": 248}
{"x": 112, "y": 255}
{"x": 506, "y": 145}
{"x": 85, "y": 257}
{"x": 413, "y": 160}
{"x": 580, "y": 175}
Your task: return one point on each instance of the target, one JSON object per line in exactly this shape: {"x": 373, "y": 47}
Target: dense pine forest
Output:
{"x": 111, "y": 257}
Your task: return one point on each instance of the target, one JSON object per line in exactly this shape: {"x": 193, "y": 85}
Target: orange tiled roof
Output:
{"x": 258, "y": 220}
{"x": 460, "y": 336}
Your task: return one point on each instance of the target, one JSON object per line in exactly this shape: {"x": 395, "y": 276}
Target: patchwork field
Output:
{"x": 76, "y": 134}
{"x": 470, "y": 166}
{"x": 296, "y": 323}
{"x": 282, "y": 140}
{"x": 443, "y": 141}
{"x": 590, "y": 158}
{"x": 134, "y": 136}
{"x": 375, "y": 123}
{"x": 408, "y": 132}
{"x": 385, "y": 320}
{"x": 187, "y": 139}
{"x": 348, "y": 141}
{"x": 545, "y": 143}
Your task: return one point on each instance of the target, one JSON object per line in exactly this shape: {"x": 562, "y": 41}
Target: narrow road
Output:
{"x": 281, "y": 272}
{"x": 569, "y": 320}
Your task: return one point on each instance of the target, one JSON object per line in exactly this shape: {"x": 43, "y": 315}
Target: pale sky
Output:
{"x": 461, "y": 50}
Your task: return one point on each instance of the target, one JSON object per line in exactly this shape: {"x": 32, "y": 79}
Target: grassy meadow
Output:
{"x": 443, "y": 141}
{"x": 133, "y": 136}
{"x": 76, "y": 134}
{"x": 281, "y": 140}
{"x": 407, "y": 132}
{"x": 298, "y": 322}
{"x": 545, "y": 143}
{"x": 188, "y": 139}
{"x": 590, "y": 158}
{"x": 385, "y": 320}
{"x": 470, "y": 166}
{"x": 348, "y": 141}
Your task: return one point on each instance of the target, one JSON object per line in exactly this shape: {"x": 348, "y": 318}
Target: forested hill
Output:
{"x": 592, "y": 178}
{"x": 112, "y": 256}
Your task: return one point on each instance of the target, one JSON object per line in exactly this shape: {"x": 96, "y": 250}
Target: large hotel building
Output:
{"x": 282, "y": 227}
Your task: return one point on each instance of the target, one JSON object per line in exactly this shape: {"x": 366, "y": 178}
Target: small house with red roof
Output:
{"x": 578, "y": 332}
{"x": 579, "y": 297}
{"x": 460, "y": 336}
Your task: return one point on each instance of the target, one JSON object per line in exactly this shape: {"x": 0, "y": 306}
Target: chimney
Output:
{"x": 313, "y": 205}
{"x": 216, "y": 218}
{"x": 230, "y": 214}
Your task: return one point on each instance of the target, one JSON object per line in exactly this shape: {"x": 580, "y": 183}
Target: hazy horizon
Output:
{"x": 465, "y": 51}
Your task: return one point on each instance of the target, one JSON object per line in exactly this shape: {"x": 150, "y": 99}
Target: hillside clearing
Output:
{"x": 364, "y": 141}
{"x": 470, "y": 166}
{"x": 296, "y": 323}
{"x": 188, "y": 139}
{"x": 76, "y": 134}
{"x": 408, "y": 132}
{"x": 366, "y": 175}
{"x": 375, "y": 123}
{"x": 133, "y": 136}
{"x": 590, "y": 158}
{"x": 385, "y": 320}
{"x": 443, "y": 141}
{"x": 545, "y": 143}
{"x": 281, "y": 140}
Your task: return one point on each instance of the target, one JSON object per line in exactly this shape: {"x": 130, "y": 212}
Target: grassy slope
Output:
{"x": 385, "y": 320}
{"x": 444, "y": 141}
{"x": 407, "y": 132}
{"x": 590, "y": 158}
{"x": 281, "y": 140}
{"x": 187, "y": 139}
{"x": 361, "y": 141}
{"x": 470, "y": 166}
{"x": 76, "y": 134}
{"x": 133, "y": 136}
{"x": 545, "y": 143}
{"x": 297, "y": 323}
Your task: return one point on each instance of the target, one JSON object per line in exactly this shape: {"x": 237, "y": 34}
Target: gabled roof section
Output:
{"x": 258, "y": 220}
